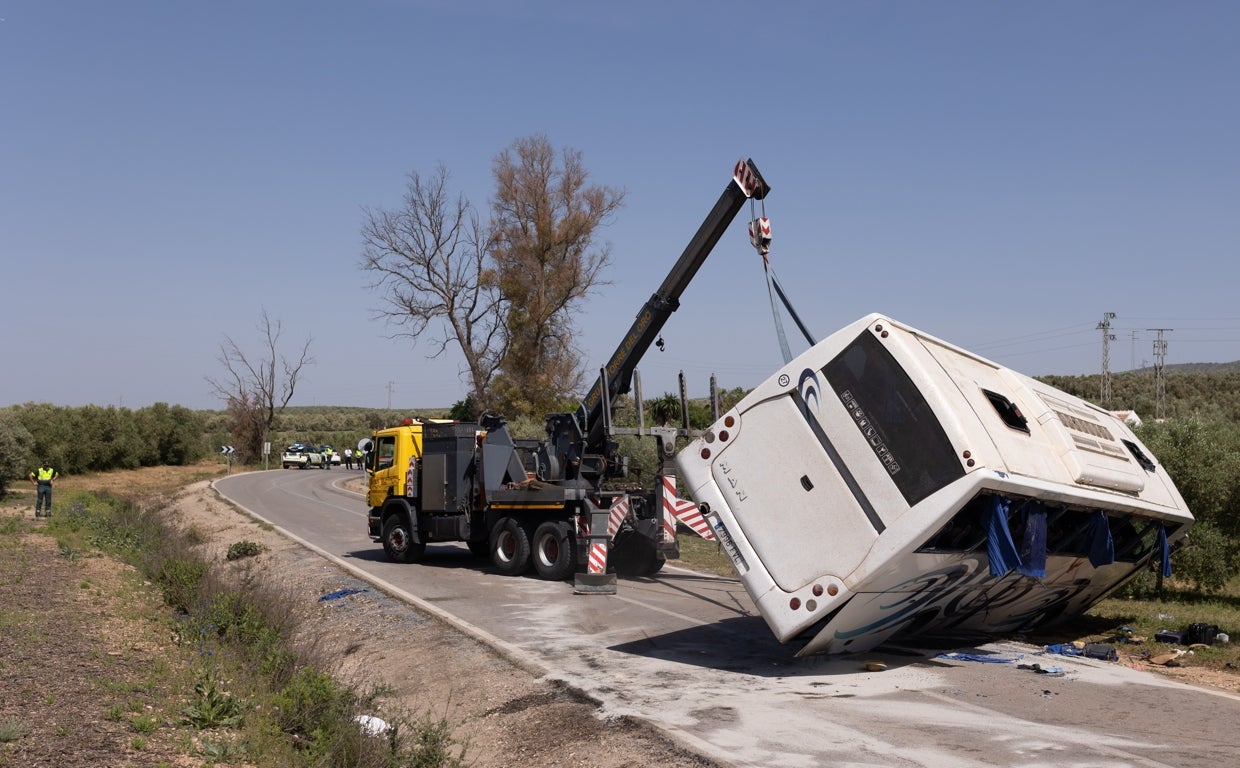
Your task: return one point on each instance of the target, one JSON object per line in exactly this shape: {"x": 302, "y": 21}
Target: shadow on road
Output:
{"x": 746, "y": 646}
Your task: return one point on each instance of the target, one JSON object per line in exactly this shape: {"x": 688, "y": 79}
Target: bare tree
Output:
{"x": 544, "y": 218}
{"x": 258, "y": 387}
{"x": 429, "y": 258}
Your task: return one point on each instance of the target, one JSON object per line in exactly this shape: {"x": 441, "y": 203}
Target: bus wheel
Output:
{"x": 510, "y": 547}
{"x": 555, "y": 550}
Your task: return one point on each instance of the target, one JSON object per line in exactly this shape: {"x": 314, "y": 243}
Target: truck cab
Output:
{"x": 391, "y": 460}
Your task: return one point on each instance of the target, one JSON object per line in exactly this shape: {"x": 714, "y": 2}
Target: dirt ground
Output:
{"x": 78, "y": 636}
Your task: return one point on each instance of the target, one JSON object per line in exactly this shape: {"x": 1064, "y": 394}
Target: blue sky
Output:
{"x": 997, "y": 174}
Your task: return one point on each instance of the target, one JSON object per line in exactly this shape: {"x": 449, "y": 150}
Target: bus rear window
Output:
{"x": 889, "y": 410}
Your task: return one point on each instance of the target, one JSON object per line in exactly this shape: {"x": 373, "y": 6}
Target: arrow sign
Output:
{"x": 227, "y": 450}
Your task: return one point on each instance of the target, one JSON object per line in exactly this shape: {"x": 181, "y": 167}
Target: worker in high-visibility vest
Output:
{"x": 43, "y": 477}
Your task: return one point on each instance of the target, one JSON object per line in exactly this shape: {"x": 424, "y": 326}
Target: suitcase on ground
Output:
{"x": 1202, "y": 633}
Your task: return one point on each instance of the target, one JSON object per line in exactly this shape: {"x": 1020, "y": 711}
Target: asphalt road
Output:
{"x": 688, "y": 653}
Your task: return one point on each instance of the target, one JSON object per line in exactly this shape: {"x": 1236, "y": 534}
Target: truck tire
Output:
{"x": 398, "y": 540}
{"x": 554, "y": 550}
{"x": 510, "y": 547}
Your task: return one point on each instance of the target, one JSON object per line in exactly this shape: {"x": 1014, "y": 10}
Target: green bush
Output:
{"x": 180, "y": 579}
{"x": 242, "y": 549}
{"x": 1208, "y": 560}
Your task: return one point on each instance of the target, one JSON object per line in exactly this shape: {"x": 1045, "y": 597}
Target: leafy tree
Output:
{"x": 464, "y": 410}
{"x": 258, "y": 387}
{"x": 504, "y": 290}
{"x": 54, "y": 434}
{"x": 1203, "y": 459}
{"x": 429, "y": 259}
{"x": 664, "y": 410}
{"x": 16, "y": 447}
{"x": 1208, "y": 560}
{"x": 544, "y": 219}
{"x": 173, "y": 435}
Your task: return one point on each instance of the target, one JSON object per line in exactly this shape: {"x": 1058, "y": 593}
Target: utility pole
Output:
{"x": 1133, "y": 336}
{"x": 1107, "y": 338}
{"x": 390, "y": 384}
{"x": 1160, "y": 381}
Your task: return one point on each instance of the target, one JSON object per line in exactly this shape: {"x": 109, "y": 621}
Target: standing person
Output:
{"x": 348, "y": 458}
{"x": 43, "y": 477}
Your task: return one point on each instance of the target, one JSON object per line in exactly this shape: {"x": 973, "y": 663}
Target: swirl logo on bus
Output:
{"x": 808, "y": 386}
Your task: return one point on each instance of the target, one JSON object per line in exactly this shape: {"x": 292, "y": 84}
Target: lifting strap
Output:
{"x": 760, "y": 238}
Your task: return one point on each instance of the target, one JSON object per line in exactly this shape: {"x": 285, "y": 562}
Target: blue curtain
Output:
{"x": 999, "y": 544}
{"x": 1165, "y": 549}
{"x": 1032, "y": 551}
{"x": 1101, "y": 545}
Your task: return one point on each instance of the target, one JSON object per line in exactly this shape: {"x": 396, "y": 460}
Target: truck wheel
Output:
{"x": 555, "y": 550}
{"x": 510, "y": 547}
{"x": 398, "y": 543}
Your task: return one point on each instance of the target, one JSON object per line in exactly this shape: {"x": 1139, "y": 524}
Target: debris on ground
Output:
{"x": 982, "y": 657}
{"x": 1041, "y": 670}
{"x": 341, "y": 593}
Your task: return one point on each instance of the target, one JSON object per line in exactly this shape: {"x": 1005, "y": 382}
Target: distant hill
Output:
{"x": 1204, "y": 390}
{"x": 1232, "y": 367}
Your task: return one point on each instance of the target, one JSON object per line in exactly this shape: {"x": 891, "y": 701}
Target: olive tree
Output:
{"x": 16, "y": 446}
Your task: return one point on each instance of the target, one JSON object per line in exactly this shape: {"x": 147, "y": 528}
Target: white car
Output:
{"x": 334, "y": 454}
{"x": 302, "y": 457}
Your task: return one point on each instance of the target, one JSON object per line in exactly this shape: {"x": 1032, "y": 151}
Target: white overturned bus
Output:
{"x": 887, "y": 482}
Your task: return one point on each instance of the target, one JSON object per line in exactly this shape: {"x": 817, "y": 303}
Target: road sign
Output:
{"x": 227, "y": 450}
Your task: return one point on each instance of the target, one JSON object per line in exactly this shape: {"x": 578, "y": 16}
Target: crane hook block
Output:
{"x": 760, "y": 235}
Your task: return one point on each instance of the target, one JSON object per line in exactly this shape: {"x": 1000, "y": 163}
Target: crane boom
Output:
{"x": 617, "y": 375}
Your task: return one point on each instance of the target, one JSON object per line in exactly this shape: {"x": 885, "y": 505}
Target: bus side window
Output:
{"x": 965, "y": 531}
{"x": 1007, "y": 411}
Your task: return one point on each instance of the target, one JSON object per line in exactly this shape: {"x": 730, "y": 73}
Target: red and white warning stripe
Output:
{"x": 684, "y": 510}
{"x": 744, "y": 178}
{"x": 411, "y": 485}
